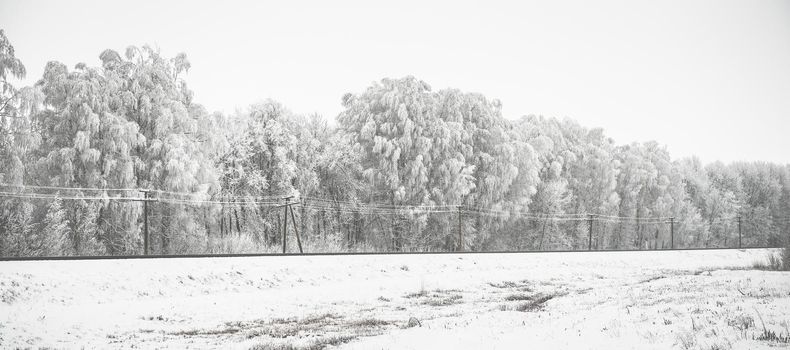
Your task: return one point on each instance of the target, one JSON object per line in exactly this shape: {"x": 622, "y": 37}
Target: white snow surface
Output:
{"x": 581, "y": 300}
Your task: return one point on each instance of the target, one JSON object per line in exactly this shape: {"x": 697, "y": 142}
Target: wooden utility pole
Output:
{"x": 146, "y": 198}
{"x": 460, "y": 232}
{"x": 285, "y": 223}
{"x": 672, "y": 232}
{"x": 589, "y": 238}
{"x": 296, "y": 230}
{"x": 145, "y": 223}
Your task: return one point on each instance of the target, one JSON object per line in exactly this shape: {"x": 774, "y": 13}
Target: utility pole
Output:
{"x": 146, "y": 198}
{"x": 296, "y": 230}
{"x": 739, "y": 232}
{"x": 285, "y": 222}
{"x": 589, "y": 239}
{"x": 145, "y": 220}
{"x": 672, "y": 232}
{"x": 460, "y": 232}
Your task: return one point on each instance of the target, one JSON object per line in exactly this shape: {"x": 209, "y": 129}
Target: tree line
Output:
{"x": 131, "y": 122}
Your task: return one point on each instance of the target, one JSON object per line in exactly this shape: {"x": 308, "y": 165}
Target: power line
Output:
{"x": 189, "y": 195}
{"x": 66, "y": 197}
{"x": 333, "y": 205}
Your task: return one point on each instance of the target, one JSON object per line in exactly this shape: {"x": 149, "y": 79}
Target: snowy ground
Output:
{"x": 685, "y": 300}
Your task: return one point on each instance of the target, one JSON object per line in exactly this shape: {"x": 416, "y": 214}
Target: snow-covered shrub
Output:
{"x": 772, "y": 262}
{"x": 238, "y": 244}
{"x": 333, "y": 244}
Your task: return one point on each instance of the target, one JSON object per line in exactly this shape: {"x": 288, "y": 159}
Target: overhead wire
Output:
{"x": 64, "y": 197}
{"x": 327, "y": 204}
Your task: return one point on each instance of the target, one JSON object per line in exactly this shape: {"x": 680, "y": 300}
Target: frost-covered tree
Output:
{"x": 18, "y": 139}
{"x": 439, "y": 148}
{"x": 520, "y": 184}
{"x": 395, "y": 123}
{"x": 127, "y": 124}
{"x": 260, "y": 162}
{"x": 715, "y": 197}
{"x": 762, "y": 188}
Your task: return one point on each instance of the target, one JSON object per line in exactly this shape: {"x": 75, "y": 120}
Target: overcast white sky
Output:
{"x": 704, "y": 77}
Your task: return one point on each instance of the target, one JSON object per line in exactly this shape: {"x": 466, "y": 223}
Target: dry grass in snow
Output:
{"x": 652, "y": 299}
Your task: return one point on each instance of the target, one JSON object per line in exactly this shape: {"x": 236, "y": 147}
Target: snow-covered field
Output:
{"x": 651, "y": 299}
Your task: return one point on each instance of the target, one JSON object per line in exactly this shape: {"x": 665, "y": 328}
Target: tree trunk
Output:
{"x": 655, "y": 240}
{"x": 395, "y": 233}
{"x": 229, "y": 229}
{"x": 543, "y": 232}
{"x": 222, "y": 221}
{"x": 238, "y": 226}
{"x": 208, "y": 230}
{"x": 164, "y": 232}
